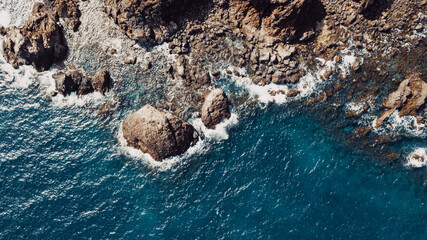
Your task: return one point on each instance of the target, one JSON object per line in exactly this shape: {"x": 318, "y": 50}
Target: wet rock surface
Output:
{"x": 40, "y": 42}
{"x": 408, "y": 98}
{"x": 215, "y": 108}
{"x": 78, "y": 82}
{"x": 158, "y": 133}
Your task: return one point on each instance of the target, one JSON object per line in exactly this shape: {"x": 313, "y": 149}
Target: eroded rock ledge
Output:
{"x": 408, "y": 98}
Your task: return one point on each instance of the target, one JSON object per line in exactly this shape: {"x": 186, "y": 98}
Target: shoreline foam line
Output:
{"x": 210, "y": 135}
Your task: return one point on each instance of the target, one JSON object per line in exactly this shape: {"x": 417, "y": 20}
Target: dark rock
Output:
{"x": 215, "y": 108}
{"x": 85, "y": 86}
{"x": 148, "y": 65}
{"x": 216, "y": 73}
{"x": 75, "y": 81}
{"x": 150, "y": 22}
{"x": 160, "y": 134}
{"x": 102, "y": 82}
{"x": 40, "y": 42}
{"x": 67, "y": 83}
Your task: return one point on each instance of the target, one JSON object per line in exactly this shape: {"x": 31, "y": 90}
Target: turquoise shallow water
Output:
{"x": 278, "y": 176}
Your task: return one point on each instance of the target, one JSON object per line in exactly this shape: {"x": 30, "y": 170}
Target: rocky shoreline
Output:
{"x": 274, "y": 41}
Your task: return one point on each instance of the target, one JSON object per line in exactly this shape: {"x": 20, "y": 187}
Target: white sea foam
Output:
{"x": 221, "y": 130}
{"x": 74, "y": 100}
{"x": 417, "y": 158}
{"x": 347, "y": 64}
{"x": 16, "y": 78}
{"x": 307, "y": 84}
{"x": 262, "y": 93}
{"x": 217, "y": 134}
{"x": 405, "y": 125}
{"x": 359, "y": 107}
{"x": 16, "y": 13}
{"x": 4, "y": 18}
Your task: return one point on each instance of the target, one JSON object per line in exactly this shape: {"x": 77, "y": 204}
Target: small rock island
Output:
{"x": 158, "y": 133}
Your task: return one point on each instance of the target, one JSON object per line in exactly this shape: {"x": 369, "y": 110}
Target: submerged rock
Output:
{"x": 215, "y": 108}
{"x": 160, "y": 134}
{"x": 40, "y": 42}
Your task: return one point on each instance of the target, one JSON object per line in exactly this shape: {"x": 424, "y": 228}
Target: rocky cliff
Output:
{"x": 40, "y": 42}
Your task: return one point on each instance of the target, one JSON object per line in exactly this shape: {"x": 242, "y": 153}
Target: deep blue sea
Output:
{"x": 277, "y": 176}
{"x": 276, "y": 173}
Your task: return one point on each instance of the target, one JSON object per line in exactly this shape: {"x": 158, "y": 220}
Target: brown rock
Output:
{"x": 66, "y": 83}
{"x": 292, "y": 93}
{"x": 102, "y": 82}
{"x": 40, "y": 42}
{"x": 130, "y": 60}
{"x": 278, "y": 78}
{"x": 267, "y": 20}
{"x": 215, "y": 108}
{"x": 160, "y": 134}
{"x": 75, "y": 81}
{"x": 410, "y": 95}
{"x": 68, "y": 10}
{"x": 148, "y": 21}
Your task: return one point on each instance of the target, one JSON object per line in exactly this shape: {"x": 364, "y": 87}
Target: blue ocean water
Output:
{"x": 277, "y": 176}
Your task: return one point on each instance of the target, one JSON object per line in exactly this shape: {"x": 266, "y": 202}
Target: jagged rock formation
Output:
{"x": 40, "y": 42}
{"x": 372, "y": 8}
{"x": 408, "y": 98}
{"x": 160, "y": 134}
{"x": 68, "y": 10}
{"x": 281, "y": 20}
{"x": 75, "y": 81}
{"x": 215, "y": 108}
{"x": 156, "y": 21}
{"x": 101, "y": 82}
{"x": 151, "y": 21}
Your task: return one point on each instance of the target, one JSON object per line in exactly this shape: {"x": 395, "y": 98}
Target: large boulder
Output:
{"x": 408, "y": 98}
{"x": 160, "y": 134}
{"x": 40, "y": 42}
{"x": 215, "y": 108}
